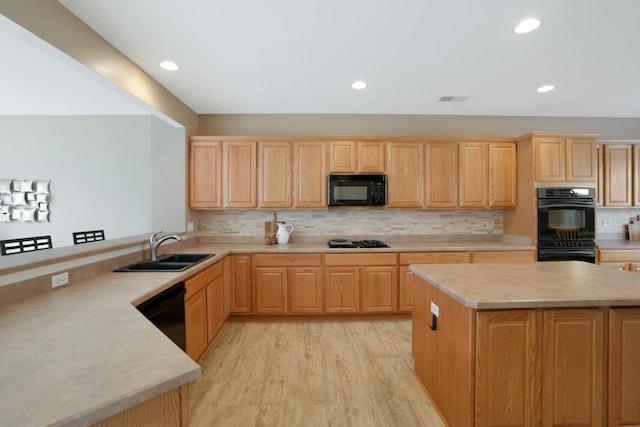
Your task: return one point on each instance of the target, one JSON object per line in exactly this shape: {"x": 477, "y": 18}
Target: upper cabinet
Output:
{"x": 560, "y": 159}
{"x": 356, "y": 157}
{"x": 617, "y": 174}
{"x": 205, "y": 174}
{"x": 441, "y": 175}
{"x": 502, "y": 175}
{"x": 274, "y": 174}
{"x": 473, "y": 174}
{"x": 404, "y": 174}
{"x": 239, "y": 174}
{"x": 310, "y": 175}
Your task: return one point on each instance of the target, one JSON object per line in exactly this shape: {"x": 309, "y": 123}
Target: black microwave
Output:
{"x": 357, "y": 190}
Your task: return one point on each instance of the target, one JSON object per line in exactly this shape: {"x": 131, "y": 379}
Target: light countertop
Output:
{"x": 619, "y": 244}
{"x": 533, "y": 285}
{"x": 82, "y": 352}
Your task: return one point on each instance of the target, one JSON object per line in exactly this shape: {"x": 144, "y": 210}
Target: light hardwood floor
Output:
{"x": 311, "y": 373}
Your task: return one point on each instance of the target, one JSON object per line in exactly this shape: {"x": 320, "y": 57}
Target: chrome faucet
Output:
{"x": 155, "y": 244}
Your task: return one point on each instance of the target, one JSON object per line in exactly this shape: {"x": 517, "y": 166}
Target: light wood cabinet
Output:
{"x": 636, "y": 175}
{"x": 405, "y": 163}
{"x": 240, "y": 297}
{"x": 342, "y": 156}
{"x": 559, "y": 159}
{"x": 441, "y": 175}
{"x": 239, "y": 174}
{"x": 195, "y": 317}
{"x": 600, "y": 181}
{"x": 290, "y": 283}
{"x": 205, "y": 174}
{"x": 274, "y": 174}
{"x": 573, "y": 370}
{"x": 227, "y": 278}
{"x": 371, "y": 157}
{"x": 502, "y": 175}
{"x": 473, "y": 175}
{"x": 508, "y": 368}
{"x": 627, "y": 260}
{"x": 379, "y": 289}
{"x": 617, "y": 174}
{"x": 624, "y": 367}
{"x": 310, "y": 175}
{"x": 342, "y": 289}
{"x": 215, "y": 308}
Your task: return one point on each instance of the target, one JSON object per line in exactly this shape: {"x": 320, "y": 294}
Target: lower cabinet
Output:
{"x": 195, "y": 317}
{"x": 240, "y": 295}
{"x": 215, "y": 308}
{"x": 624, "y": 371}
{"x": 628, "y": 260}
{"x": 342, "y": 289}
{"x": 305, "y": 290}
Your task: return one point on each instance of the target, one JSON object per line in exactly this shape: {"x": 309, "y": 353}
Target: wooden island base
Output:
{"x": 534, "y": 352}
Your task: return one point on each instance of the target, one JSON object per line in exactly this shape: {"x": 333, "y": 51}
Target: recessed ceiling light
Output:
{"x": 546, "y": 88}
{"x": 527, "y": 25}
{"x": 168, "y": 65}
{"x": 359, "y": 85}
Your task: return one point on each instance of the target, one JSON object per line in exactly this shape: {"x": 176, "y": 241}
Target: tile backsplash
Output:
{"x": 610, "y": 222}
{"x": 310, "y": 224}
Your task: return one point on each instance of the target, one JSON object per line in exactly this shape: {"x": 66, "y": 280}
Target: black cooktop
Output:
{"x": 343, "y": 243}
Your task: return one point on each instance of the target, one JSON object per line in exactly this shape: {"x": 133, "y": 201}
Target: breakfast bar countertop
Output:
{"x": 533, "y": 285}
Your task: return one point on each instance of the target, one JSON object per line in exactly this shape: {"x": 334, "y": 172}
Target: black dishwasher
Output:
{"x": 166, "y": 312}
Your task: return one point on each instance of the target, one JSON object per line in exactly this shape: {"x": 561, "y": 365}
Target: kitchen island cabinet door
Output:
{"x": 379, "y": 289}
{"x": 442, "y": 175}
{"x": 205, "y": 174}
{"x": 624, "y": 367}
{"x": 271, "y": 290}
{"x": 508, "y": 368}
{"x": 274, "y": 174}
{"x": 195, "y": 317}
{"x": 310, "y": 175}
{"x": 239, "y": 171}
{"x": 405, "y": 163}
{"x": 573, "y": 379}
{"x": 341, "y": 289}
{"x": 305, "y": 289}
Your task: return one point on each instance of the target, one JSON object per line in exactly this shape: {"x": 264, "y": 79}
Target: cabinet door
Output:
{"x": 305, "y": 289}
{"x": 274, "y": 174}
{"x": 227, "y": 279}
{"x": 240, "y": 301}
{"x": 271, "y": 290}
{"x": 624, "y": 367}
{"x": 549, "y": 159}
{"x": 215, "y": 308}
{"x": 205, "y": 174}
{"x": 582, "y": 160}
{"x": 473, "y": 175}
{"x": 502, "y": 175}
{"x": 195, "y": 317}
{"x": 310, "y": 175}
{"x": 342, "y": 156}
{"x": 442, "y": 175}
{"x": 636, "y": 175}
{"x": 573, "y": 369}
{"x": 508, "y": 368}
{"x": 341, "y": 289}
{"x": 239, "y": 170}
{"x": 379, "y": 289}
{"x": 617, "y": 178}
{"x": 600, "y": 185}
{"x": 405, "y": 293}
{"x": 405, "y": 162}
{"x": 370, "y": 157}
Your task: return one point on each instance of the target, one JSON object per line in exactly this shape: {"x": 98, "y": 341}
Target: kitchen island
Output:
{"x": 554, "y": 343}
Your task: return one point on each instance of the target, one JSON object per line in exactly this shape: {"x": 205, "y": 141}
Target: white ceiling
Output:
{"x": 293, "y": 56}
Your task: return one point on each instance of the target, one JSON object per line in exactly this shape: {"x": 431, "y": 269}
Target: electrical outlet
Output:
{"x": 59, "y": 280}
{"x": 606, "y": 223}
{"x": 435, "y": 310}
{"x": 190, "y": 226}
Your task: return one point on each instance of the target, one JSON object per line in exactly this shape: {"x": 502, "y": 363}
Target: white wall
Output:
{"x": 102, "y": 170}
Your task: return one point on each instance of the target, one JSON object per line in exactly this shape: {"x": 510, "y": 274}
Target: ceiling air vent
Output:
{"x": 453, "y": 99}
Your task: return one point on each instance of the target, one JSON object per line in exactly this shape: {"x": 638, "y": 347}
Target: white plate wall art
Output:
{"x": 24, "y": 200}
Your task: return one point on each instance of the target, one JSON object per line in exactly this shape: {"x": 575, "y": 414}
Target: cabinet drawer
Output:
{"x": 360, "y": 259}
{"x": 287, "y": 260}
{"x": 434, "y": 257}
{"x": 201, "y": 280}
{"x": 502, "y": 256}
{"x": 622, "y": 256}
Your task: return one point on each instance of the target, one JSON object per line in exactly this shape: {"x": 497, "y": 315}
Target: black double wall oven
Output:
{"x": 566, "y": 224}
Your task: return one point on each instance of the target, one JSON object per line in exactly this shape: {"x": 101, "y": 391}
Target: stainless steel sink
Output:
{"x": 175, "y": 262}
